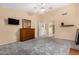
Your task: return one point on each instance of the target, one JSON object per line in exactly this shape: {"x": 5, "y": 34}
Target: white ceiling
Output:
{"x": 32, "y": 7}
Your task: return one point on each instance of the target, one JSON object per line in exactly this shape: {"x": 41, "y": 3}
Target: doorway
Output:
{"x": 46, "y": 30}
{"x": 51, "y": 30}
{"x": 42, "y": 29}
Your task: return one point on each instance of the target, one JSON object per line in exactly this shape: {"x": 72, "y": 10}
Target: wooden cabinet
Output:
{"x": 27, "y": 34}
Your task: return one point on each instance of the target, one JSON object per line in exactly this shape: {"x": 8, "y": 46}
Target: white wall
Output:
{"x": 57, "y": 17}
{"x": 10, "y": 33}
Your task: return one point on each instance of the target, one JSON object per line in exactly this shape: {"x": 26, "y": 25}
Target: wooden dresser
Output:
{"x": 27, "y": 34}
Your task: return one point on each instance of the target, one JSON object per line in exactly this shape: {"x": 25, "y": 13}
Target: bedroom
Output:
{"x": 48, "y": 17}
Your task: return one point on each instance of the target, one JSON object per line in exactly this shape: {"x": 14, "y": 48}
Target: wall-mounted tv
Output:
{"x": 13, "y": 21}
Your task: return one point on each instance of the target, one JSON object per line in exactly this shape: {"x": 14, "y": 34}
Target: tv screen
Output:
{"x": 13, "y": 21}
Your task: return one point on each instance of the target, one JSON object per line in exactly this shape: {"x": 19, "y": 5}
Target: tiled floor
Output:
{"x": 40, "y": 46}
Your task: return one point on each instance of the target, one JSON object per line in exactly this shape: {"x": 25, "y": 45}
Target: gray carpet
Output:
{"x": 40, "y": 46}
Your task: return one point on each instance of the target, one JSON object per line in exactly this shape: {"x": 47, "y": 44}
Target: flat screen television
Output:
{"x": 13, "y": 21}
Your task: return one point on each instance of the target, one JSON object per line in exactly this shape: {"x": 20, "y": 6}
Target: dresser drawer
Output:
{"x": 27, "y": 34}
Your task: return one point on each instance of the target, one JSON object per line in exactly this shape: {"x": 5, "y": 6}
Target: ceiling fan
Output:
{"x": 43, "y": 8}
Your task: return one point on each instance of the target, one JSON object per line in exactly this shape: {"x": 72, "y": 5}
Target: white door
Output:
{"x": 51, "y": 29}
{"x": 42, "y": 29}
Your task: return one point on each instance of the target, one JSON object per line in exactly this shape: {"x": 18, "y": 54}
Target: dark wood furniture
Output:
{"x": 73, "y": 52}
{"x": 27, "y": 34}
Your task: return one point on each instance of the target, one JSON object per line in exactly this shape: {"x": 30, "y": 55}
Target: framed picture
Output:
{"x": 26, "y": 23}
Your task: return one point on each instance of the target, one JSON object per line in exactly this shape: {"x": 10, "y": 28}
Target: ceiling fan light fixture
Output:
{"x": 42, "y": 10}
{"x": 43, "y": 4}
